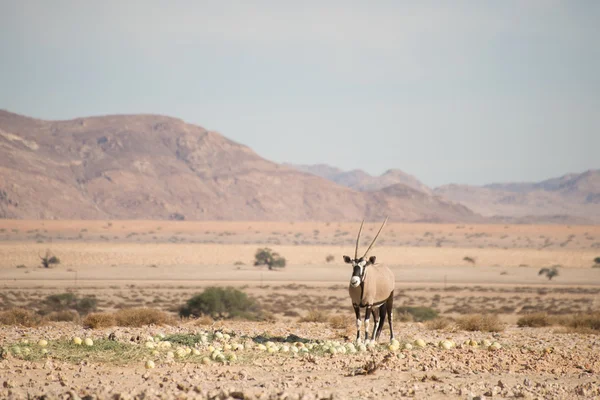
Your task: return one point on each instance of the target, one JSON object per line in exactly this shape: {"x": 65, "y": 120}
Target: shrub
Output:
{"x": 49, "y": 259}
{"x": 142, "y": 316}
{"x": 469, "y": 259}
{"x": 597, "y": 260}
{"x": 222, "y": 303}
{"x": 267, "y": 257}
{"x": 585, "y": 322}
{"x": 534, "y": 320}
{"x": 204, "y": 320}
{"x": 176, "y": 217}
{"x": 480, "y": 322}
{"x": 63, "y": 316}
{"x": 99, "y": 320}
{"x": 329, "y": 258}
{"x": 315, "y": 315}
{"x": 20, "y": 316}
{"x": 438, "y": 324}
{"x": 418, "y": 314}
{"x": 69, "y": 301}
{"x": 339, "y": 322}
{"x": 549, "y": 272}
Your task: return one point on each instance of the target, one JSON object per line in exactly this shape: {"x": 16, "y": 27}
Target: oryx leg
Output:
{"x": 376, "y": 319}
{"x": 367, "y": 316}
{"x": 358, "y": 321}
{"x": 382, "y": 312}
{"x": 389, "y": 305}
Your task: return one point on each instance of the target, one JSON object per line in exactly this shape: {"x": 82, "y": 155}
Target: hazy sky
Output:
{"x": 449, "y": 91}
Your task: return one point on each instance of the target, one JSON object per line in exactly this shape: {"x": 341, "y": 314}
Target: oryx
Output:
{"x": 371, "y": 287}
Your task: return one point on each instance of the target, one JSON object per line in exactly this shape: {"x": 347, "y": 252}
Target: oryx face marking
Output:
{"x": 358, "y": 272}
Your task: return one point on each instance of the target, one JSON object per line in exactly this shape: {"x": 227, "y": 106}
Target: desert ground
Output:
{"x": 456, "y": 269}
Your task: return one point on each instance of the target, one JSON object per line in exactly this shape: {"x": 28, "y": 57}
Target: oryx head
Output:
{"x": 360, "y": 264}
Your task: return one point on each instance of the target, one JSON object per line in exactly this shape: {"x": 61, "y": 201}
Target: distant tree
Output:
{"x": 269, "y": 258}
{"x": 49, "y": 259}
{"x": 549, "y": 272}
{"x": 177, "y": 217}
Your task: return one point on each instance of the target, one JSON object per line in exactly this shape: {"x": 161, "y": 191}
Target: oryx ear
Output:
{"x": 372, "y": 259}
{"x": 348, "y": 260}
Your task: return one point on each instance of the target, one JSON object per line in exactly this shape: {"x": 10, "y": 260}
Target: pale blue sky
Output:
{"x": 449, "y": 91}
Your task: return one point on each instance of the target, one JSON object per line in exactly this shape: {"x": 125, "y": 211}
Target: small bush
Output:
{"x": 49, "y": 259}
{"x": 438, "y": 324}
{"x": 549, "y": 272}
{"x": 21, "y": 266}
{"x": 480, "y": 322}
{"x": 86, "y": 305}
{"x": 339, "y": 322}
{"x": 68, "y": 301}
{"x": 204, "y": 320}
{"x": 585, "y": 323}
{"x": 222, "y": 303}
{"x": 99, "y": 320}
{"x": 534, "y": 320}
{"x": 329, "y": 258}
{"x": 597, "y": 260}
{"x": 20, "y": 317}
{"x": 63, "y": 316}
{"x": 142, "y": 316}
{"x": 468, "y": 259}
{"x": 418, "y": 314}
{"x": 269, "y": 258}
{"x": 315, "y": 315}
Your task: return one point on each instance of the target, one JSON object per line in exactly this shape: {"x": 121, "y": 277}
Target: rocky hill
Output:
{"x": 360, "y": 180}
{"x": 572, "y": 198}
{"x": 157, "y": 167}
{"x": 569, "y": 199}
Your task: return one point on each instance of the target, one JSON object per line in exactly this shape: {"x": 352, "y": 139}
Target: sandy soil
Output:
{"x": 532, "y": 363}
{"x": 162, "y": 264}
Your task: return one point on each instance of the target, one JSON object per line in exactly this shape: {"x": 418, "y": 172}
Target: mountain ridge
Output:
{"x": 158, "y": 167}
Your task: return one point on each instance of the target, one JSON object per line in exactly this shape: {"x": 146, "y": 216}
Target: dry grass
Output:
{"x": 20, "y": 317}
{"x": 535, "y": 320}
{"x": 583, "y": 323}
{"x": 99, "y": 320}
{"x": 143, "y": 316}
{"x": 480, "y": 322}
{"x": 439, "y": 324}
{"x": 204, "y": 320}
{"x": 315, "y": 315}
{"x": 485, "y": 243}
{"x": 339, "y": 322}
{"x": 64, "y": 316}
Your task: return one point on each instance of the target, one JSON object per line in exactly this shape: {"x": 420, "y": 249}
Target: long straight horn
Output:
{"x": 376, "y": 236}
{"x": 358, "y": 239}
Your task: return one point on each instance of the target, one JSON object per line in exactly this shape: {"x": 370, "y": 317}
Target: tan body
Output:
{"x": 378, "y": 284}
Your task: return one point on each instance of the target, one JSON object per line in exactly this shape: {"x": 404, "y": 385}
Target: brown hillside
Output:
{"x": 360, "y": 180}
{"x": 572, "y": 198}
{"x": 156, "y": 167}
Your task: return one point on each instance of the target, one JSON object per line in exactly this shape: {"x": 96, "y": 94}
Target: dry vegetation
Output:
{"x": 481, "y": 323}
{"x": 547, "y": 329}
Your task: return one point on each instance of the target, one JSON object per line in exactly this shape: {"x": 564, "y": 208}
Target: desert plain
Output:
{"x": 458, "y": 270}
